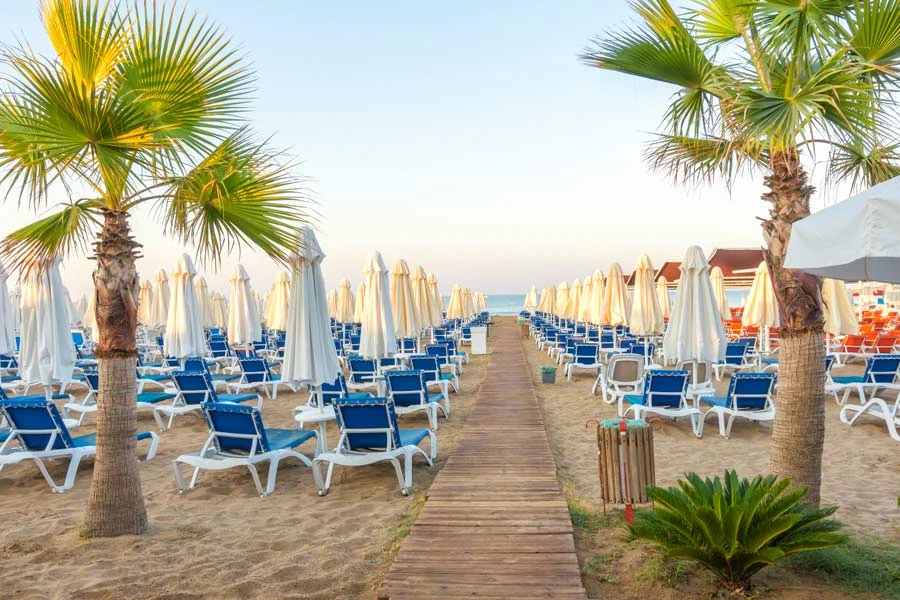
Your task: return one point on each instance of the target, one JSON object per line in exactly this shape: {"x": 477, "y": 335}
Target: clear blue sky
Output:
{"x": 464, "y": 136}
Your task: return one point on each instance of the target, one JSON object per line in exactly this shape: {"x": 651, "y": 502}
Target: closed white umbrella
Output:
{"x": 531, "y": 299}
{"x": 90, "y": 319}
{"x": 468, "y": 303}
{"x": 15, "y": 300}
{"x": 584, "y": 305}
{"x": 260, "y": 306}
{"x": 360, "y": 307}
{"x": 204, "y": 301}
{"x": 718, "y": 282}
{"x": 345, "y": 302}
{"x": 662, "y": 294}
{"x": 332, "y": 303}
{"x": 184, "y": 329}
{"x": 7, "y": 324}
{"x": 598, "y": 291}
{"x": 244, "y": 325}
{"x": 839, "y": 316}
{"x": 562, "y": 300}
{"x": 145, "y": 302}
{"x": 377, "y": 338}
{"x": 615, "y": 306}
{"x": 455, "y": 307}
{"x": 309, "y": 354}
{"x": 219, "y": 310}
{"x": 277, "y": 303}
{"x": 437, "y": 301}
{"x": 646, "y": 316}
{"x": 71, "y": 311}
{"x": 761, "y": 309}
{"x": 159, "y": 314}
{"x": 421, "y": 297}
{"x": 548, "y": 299}
{"x": 81, "y": 306}
{"x": 574, "y": 307}
{"x": 695, "y": 330}
{"x": 46, "y": 353}
{"x": 406, "y": 322}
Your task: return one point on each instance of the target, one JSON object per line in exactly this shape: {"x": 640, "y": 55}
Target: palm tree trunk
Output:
{"x": 116, "y": 503}
{"x": 798, "y": 435}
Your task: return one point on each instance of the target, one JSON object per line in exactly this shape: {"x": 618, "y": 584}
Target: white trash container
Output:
{"x": 479, "y": 340}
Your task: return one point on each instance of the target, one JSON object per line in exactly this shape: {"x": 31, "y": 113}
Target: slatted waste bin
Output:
{"x": 625, "y": 453}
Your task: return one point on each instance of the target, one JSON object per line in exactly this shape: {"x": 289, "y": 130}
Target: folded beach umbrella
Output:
{"x": 332, "y": 304}
{"x": 584, "y": 304}
{"x": 562, "y": 300}
{"x": 574, "y": 307}
{"x": 46, "y": 353}
{"x": 761, "y": 309}
{"x": 15, "y": 301}
{"x": 145, "y": 302}
{"x": 695, "y": 330}
{"x": 853, "y": 240}
{"x": 260, "y": 306}
{"x": 531, "y": 300}
{"x": 662, "y": 294}
{"x": 159, "y": 313}
{"x": 244, "y": 325}
{"x": 718, "y": 283}
{"x": 90, "y": 319}
{"x": 403, "y": 308}
{"x": 646, "y": 316}
{"x": 468, "y": 303}
{"x": 309, "y": 354}
{"x": 345, "y": 302}
{"x": 219, "y": 310}
{"x": 204, "y": 301}
{"x": 422, "y": 297}
{"x": 377, "y": 338}
{"x": 481, "y": 306}
{"x": 81, "y": 306}
{"x": 7, "y": 323}
{"x": 455, "y": 308}
{"x": 615, "y": 308}
{"x": 184, "y": 329}
{"x": 839, "y": 316}
{"x": 71, "y": 311}
{"x": 277, "y": 303}
{"x": 359, "y": 308}
{"x": 549, "y": 296}
{"x": 598, "y": 291}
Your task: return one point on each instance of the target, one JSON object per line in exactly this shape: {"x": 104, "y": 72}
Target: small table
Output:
{"x": 320, "y": 415}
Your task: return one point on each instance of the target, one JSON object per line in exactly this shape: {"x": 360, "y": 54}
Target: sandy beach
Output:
{"x": 220, "y": 540}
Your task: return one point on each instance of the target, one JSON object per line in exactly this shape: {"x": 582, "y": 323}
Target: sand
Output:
{"x": 220, "y": 540}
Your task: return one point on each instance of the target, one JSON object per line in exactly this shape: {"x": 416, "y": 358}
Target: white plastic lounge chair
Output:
{"x": 700, "y": 380}
{"x": 255, "y": 374}
{"x": 145, "y": 400}
{"x": 623, "y": 374}
{"x": 584, "y": 357}
{"x": 193, "y": 390}
{"x": 237, "y": 438}
{"x": 664, "y": 394}
{"x": 749, "y": 396}
{"x": 738, "y": 357}
{"x": 410, "y": 394}
{"x": 882, "y": 372}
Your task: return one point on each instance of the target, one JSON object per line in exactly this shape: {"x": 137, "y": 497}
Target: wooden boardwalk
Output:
{"x": 495, "y": 524}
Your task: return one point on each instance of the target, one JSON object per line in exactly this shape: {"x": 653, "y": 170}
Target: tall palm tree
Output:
{"x": 761, "y": 85}
{"x": 141, "y": 103}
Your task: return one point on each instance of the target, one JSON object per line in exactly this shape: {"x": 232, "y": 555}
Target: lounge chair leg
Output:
{"x": 179, "y": 477}
{"x": 273, "y": 473}
{"x": 403, "y": 476}
{"x": 317, "y": 477}
{"x": 154, "y": 444}
{"x": 194, "y": 477}
{"x": 71, "y": 473}
{"x": 728, "y": 427}
{"x": 255, "y": 475}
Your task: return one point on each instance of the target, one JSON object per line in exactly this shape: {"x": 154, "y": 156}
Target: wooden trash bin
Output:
{"x": 625, "y": 453}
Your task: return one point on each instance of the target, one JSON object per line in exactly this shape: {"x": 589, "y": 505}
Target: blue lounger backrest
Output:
{"x": 829, "y": 362}
{"x": 195, "y": 388}
{"x": 36, "y": 414}
{"x": 665, "y": 388}
{"x": 361, "y": 370}
{"x": 749, "y": 391}
{"x": 735, "y": 352}
{"x": 437, "y": 350}
{"x": 585, "y": 354}
{"x": 427, "y": 364}
{"x": 368, "y": 413}
{"x": 332, "y": 391}
{"x": 225, "y": 418}
{"x": 92, "y": 379}
{"x": 254, "y": 370}
{"x": 882, "y": 368}
{"x": 406, "y": 388}
{"x": 195, "y": 364}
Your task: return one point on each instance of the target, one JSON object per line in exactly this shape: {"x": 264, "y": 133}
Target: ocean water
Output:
{"x": 511, "y": 304}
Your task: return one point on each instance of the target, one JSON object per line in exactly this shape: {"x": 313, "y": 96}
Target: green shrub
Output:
{"x": 735, "y": 527}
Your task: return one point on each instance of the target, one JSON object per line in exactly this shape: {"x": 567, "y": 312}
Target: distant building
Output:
{"x": 738, "y": 264}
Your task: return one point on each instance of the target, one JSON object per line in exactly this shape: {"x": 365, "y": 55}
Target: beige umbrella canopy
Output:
{"x": 204, "y": 301}
{"x": 761, "y": 309}
{"x": 90, "y": 318}
{"x": 615, "y": 308}
{"x": 345, "y": 302}
{"x": 548, "y": 300}
{"x": 718, "y": 283}
{"x": 646, "y": 315}
{"x": 406, "y": 321}
{"x": 145, "y": 302}
{"x": 184, "y": 332}
{"x": 562, "y": 300}
{"x": 839, "y": 316}
{"x": 584, "y": 304}
{"x": 219, "y": 310}
{"x": 531, "y": 299}
{"x": 278, "y": 302}
{"x": 468, "y": 303}
{"x": 360, "y": 305}
{"x": 377, "y": 335}
{"x": 422, "y": 297}
{"x": 160, "y": 312}
{"x": 598, "y": 290}
{"x": 695, "y": 329}
{"x": 662, "y": 294}
{"x": 574, "y": 306}
{"x": 332, "y": 303}
{"x": 455, "y": 308}
{"x": 437, "y": 301}
{"x": 244, "y": 325}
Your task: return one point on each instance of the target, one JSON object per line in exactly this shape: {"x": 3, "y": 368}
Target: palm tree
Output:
{"x": 142, "y": 103}
{"x": 761, "y": 86}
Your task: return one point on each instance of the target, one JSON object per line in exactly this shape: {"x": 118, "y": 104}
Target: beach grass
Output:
{"x": 859, "y": 567}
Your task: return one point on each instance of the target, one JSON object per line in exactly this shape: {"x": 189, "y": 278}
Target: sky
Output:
{"x": 463, "y": 136}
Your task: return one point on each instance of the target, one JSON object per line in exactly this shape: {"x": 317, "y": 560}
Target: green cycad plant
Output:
{"x": 141, "y": 104}
{"x": 761, "y": 85}
{"x": 735, "y": 527}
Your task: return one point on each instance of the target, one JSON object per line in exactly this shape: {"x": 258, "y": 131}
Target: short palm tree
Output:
{"x": 761, "y": 86}
{"x": 141, "y": 103}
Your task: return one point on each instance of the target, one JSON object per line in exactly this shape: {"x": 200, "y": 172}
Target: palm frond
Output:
{"x": 694, "y": 160}
{"x": 240, "y": 195}
{"x": 65, "y": 232}
{"x": 862, "y": 164}
{"x": 721, "y": 20}
{"x": 88, "y": 37}
{"x": 874, "y": 35}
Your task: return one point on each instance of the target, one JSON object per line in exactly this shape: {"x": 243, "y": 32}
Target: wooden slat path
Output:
{"x": 495, "y": 524}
